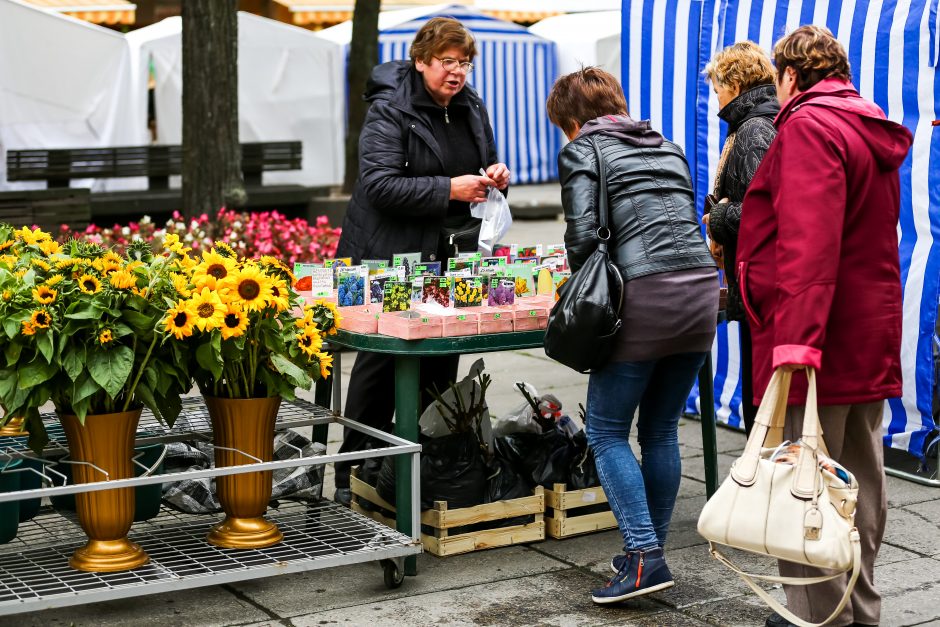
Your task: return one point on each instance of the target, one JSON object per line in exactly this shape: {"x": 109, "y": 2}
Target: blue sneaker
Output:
{"x": 643, "y": 572}
{"x": 618, "y": 561}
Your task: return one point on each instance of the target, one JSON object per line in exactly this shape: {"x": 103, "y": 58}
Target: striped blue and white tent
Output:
{"x": 894, "y": 49}
{"x": 513, "y": 72}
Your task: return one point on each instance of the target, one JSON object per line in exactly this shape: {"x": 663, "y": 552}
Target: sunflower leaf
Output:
{"x": 111, "y": 368}
{"x": 291, "y": 371}
{"x": 36, "y": 372}
{"x": 44, "y": 344}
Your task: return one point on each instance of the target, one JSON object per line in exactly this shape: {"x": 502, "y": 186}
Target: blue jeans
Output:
{"x": 641, "y": 496}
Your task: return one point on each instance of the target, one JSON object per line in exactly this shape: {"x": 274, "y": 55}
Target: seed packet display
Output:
{"x": 409, "y": 260}
{"x": 427, "y": 268}
{"x": 377, "y": 286}
{"x": 436, "y": 289}
{"x": 524, "y": 278}
{"x": 502, "y": 291}
{"x": 468, "y": 291}
{"x": 488, "y": 262}
{"x": 396, "y": 296}
{"x": 376, "y": 266}
{"x": 351, "y": 286}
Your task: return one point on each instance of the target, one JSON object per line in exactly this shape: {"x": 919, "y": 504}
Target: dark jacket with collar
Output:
{"x": 750, "y": 118}
{"x": 401, "y": 197}
{"x": 653, "y": 223}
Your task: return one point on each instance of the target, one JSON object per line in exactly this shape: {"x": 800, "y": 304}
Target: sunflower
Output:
{"x": 234, "y": 323}
{"x": 42, "y": 265}
{"x": 55, "y": 279}
{"x": 7, "y": 244}
{"x": 280, "y": 297}
{"x": 123, "y": 280}
{"x": 310, "y": 341}
{"x": 209, "y": 310}
{"x": 64, "y": 264}
{"x": 143, "y": 292}
{"x": 250, "y": 288}
{"x": 225, "y": 250}
{"x": 181, "y": 284}
{"x": 89, "y": 284}
{"x": 105, "y": 337}
{"x": 30, "y": 237}
{"x": 106, "y": 266}
{"x": 8, "y": 260}
{"x": 50, "y": 247}
{"x": 44, "y": 295}
{"x": 326, "y": 362}
{"x": 7, "y": 295}
{"x": 180, "y": 320}
{"x": 171, "y": 240}
{"x": 279, "y": 267}
{"x": 214, "y": 268}
{"x": 40, "y": 319}
{"x": 28, "y": 328}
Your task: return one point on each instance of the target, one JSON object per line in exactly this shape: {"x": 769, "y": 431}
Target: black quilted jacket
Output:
{"x": 750, "y": 117}
{"x": 401, "y": 196}
{"x": 654, "y": 225}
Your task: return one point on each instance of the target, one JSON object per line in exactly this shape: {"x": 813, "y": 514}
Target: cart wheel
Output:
{"x": 393, "y": 573}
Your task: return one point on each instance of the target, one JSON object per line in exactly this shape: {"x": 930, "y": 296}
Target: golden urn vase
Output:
{"x": 107, "y": 441}
{"x": 242, "y": 428}
{"x": 14, "y": 427}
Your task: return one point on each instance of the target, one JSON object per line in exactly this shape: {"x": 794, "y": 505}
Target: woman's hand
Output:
{"x": 470, "y": 188}
{"x": 499, "y": 174}
{"x": 716, "y": 250}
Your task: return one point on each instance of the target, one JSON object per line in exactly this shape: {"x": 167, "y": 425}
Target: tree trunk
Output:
{"x": 211, "y": 153}
{"x": 363, "y": 56}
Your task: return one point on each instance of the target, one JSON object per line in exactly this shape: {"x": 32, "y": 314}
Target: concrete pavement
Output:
{"x": 545, "y": 583}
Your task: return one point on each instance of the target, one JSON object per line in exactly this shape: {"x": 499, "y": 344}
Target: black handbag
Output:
{"x": 586, "y": 317}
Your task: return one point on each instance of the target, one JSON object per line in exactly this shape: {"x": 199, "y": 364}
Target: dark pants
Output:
{"x": 748, "y": 409}
{"x": 371, "y": 398}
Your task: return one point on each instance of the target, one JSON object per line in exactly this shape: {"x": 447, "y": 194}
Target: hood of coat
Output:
{"x": 760, "y": 101}
{"x": 398, "y": 82}
{"x": 635, "y": 132}
{"x": 888, "y": 141}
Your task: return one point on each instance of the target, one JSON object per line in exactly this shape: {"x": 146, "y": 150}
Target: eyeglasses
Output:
{"x": 451, "y": 65}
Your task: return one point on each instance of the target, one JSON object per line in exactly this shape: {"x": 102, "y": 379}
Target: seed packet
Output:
{"x": 532, "y": 261}
{"x": 427, "y": 268}
{"x": 375, "y": 266}
{"x": 351, "y": 286}
{"x": 377, "y": 286}
{"x": 417, "y": 289}
{"x": 436, "y": 289}
{"x": 475, "y": 256}
{"x": 502, "y": 291}
{"x": 560, "y": 278}
{"x": 457, "y": 264}
{"x": 555, "y": 262}
{"x": 544, "y": 286}
{"x": 468, "y": 291}
{"x": 555, "y": 249}
{"x": 459, "y": 273}
{"x": 408, "y": 260}
{"x": 505, "y": 250}
{"x": 396, "y": 296}
{"x": 524, "y": 278}
{"x": 487, "y": 262}
{"x": 529, "y": 251}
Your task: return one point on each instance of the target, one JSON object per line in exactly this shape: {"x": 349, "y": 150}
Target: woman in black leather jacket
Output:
{"x": 669, "y": 311}
{"x": 743, "y": 79}
{"x": 424, "y": 141}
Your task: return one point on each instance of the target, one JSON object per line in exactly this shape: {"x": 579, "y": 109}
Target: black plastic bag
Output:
{"x": 583, "y": 470}
{"x": 505, "y": 483}
{"x": 543, "y": 458}
{"x": 452, "y": 470}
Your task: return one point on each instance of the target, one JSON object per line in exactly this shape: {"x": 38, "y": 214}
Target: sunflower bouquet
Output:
{"x": 83, "y": 327}
{"x": 244, "y": 326}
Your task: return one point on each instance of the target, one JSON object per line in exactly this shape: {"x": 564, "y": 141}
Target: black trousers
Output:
{"x": 748, "y": 409}
{"x": 371, "y": 398}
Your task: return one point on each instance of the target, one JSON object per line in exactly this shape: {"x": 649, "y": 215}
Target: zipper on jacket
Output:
{"x": 446, "y": 117}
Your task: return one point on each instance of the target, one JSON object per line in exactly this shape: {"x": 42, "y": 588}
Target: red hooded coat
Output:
{"x": 818, "y": 249}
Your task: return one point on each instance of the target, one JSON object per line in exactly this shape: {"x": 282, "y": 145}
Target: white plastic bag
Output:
{"x": 432, "y": 423}
{"x": 496, "y": 219}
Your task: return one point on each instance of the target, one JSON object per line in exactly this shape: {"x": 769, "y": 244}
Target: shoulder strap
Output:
{"x": 603, "y": 210}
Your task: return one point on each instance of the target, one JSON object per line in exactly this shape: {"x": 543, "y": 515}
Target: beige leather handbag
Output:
{"x": 799, "y": 511}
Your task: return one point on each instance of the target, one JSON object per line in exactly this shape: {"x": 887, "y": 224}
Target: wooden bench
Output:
{"x": 58, "y": 167}
{"x": 46, "y": 208}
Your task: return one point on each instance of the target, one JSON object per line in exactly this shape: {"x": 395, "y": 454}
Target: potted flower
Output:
{"x": 238, "y": 319}
{"x": 83, "y": 327}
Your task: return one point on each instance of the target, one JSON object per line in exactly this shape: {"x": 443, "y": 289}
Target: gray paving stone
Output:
{"x": 362, "y": 584}
{"x": 558, "y": 598}
{"x": 746, "y": 610}
{"x": 902, "y": 492}
{"x": 910, "y": 592}
{"x": 910, "y": 531}
{"x": 201, "y": 607}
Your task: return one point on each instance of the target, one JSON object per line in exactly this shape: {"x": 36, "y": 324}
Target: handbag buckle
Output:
{"x": 812, "y": 524}
{"x": 603, "y": 229}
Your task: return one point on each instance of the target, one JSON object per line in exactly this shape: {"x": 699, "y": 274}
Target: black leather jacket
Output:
{"x": 654, "y": 225}
{"x": 401, "y": 197}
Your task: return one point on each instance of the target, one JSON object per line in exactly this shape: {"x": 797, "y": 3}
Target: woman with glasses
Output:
{"x": 424, "y": 143}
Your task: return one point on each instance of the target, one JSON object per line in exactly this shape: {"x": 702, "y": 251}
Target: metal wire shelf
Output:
{"x": 34, "y": 571}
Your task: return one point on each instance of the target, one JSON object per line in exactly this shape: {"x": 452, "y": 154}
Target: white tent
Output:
{"x": 584, "y": 39}
{"x": 62, "y": 85}
{"x": 290, "y": 87}
{"x": 513, "y": 74}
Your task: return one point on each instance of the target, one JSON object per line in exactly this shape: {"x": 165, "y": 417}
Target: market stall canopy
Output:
{"x": 62, "y": 85}
{"x": 109, "y": 12}
{"x": 513, "y": 73}
{"x": 591, "y": 38}
{"x": 535, "y": 10}
{"x": 290, "y": 87}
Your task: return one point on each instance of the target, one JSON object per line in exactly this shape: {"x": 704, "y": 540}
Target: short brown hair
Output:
{"x": 439, "y": 34}
{"x": 743, "y": 65}
{"x": 814, "y": 53}
{"x": 581, "y": 96}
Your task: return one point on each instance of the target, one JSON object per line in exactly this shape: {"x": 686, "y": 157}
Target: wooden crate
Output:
{"x": 441, "y": 520}
{"x": 562, "y": 517}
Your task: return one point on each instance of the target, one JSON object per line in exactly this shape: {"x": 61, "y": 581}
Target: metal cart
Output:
{"x": 34, "y": 570}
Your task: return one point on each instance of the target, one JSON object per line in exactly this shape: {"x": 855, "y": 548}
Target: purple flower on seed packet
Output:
{"x": 502, "y": 292}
